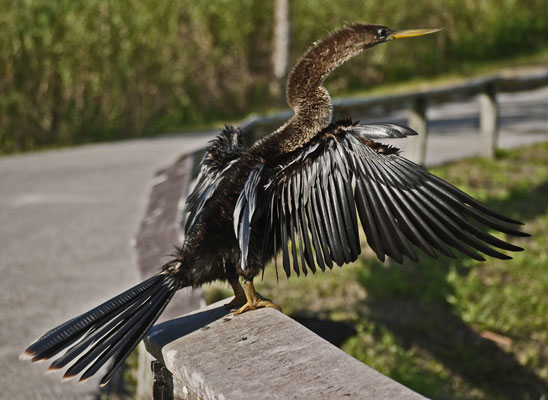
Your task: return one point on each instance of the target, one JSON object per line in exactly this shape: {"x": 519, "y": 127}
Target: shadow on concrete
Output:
{"x": 166, "y": 332}
{"x": 334, "y": 332}
{"x": 410, "y": 301}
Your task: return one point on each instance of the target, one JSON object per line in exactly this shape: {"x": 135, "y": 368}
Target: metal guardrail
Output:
{"x": 417, "y": 103}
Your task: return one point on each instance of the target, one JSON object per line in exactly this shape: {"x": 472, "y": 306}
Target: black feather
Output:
{"x": 405, "y": 222}
{"x": 349, "y": 216}
{"x": 421, "y": 224}
{"x": 382, "y": 131}
{"x": 387, "y": 231}
{"x": 322, "y": 188}
{"x": 458, "y": 232}
{"x": 93, "y": 336}
{"x": 464, "y": 224}
{"x": 335, "y": 244}
{"x": 132, "y": 342}
{"x": 336, "y": 210}
{"x": 318, "y": 229}
{"x": 284, "y": 242}
{"x": 470, "y": 200}
{"x": 108, "y": 344}
{"x": 441, "y": 229}
{"x": 368, "y": 221}
{"x": 117, "y": 324}
{"x": 64, "y": 335}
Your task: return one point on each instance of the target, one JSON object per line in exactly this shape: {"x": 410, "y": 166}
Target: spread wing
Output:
{"x": 313, "y": 201}
{"x": 222, "y": 152}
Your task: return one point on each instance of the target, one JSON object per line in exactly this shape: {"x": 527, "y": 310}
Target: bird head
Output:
{"x": 372, "y": 35}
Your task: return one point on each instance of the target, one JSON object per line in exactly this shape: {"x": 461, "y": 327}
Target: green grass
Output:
{"x": 452, "y": 329}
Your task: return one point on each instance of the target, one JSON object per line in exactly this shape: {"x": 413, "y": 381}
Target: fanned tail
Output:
{"x": 111, "y": 330}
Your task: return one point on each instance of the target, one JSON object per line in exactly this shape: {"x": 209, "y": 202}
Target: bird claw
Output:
{"x": 254, "y": 300}
{"x": 256, "y": 305}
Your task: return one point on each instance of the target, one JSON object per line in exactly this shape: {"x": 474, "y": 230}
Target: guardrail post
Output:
{"x": 419, "y": 123}
{"x": 162, "y": 388}
{"x": 489, "y": 126}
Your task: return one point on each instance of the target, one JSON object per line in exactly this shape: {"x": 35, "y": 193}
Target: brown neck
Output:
{"x": 305, "y": 94}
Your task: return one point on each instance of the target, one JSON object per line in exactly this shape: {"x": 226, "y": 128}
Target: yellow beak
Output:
{"x": 411, "y": 33}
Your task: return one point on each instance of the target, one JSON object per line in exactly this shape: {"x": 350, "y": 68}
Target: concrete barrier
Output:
{"x": 212, "y": 354}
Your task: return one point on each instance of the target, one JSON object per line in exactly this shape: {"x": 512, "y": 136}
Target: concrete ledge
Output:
{"x": 261, "y": 354}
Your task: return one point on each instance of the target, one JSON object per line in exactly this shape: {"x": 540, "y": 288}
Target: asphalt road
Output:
{"x": 67, "y": 219}
{"x": 454, "y": 127}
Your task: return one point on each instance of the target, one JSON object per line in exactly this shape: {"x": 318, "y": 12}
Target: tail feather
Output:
{"x": 90, "y": 339}
{"x": 127, "y": 346}
{"x": 67, "y": 333}
{"x": 113, "y": 328}
{"x": 111, "y": 341}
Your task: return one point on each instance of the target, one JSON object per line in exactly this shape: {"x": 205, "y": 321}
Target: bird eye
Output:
{"x": 382, "y": 33}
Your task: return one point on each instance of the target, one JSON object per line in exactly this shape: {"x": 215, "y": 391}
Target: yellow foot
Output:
{"x": 239, "y": 295}
{"x": 254, "y": 300}
{"x": 256, "y": 305}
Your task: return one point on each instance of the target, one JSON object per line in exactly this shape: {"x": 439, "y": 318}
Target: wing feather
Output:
{"x": 467, "y": 226}
{"x": 429, "y": 214}
{"x": 308, "y": 223}
{"x": 294, "y": 229}
{"x": 316, "y": 194}
{"x": 348, "y": 215}
{"x": 406, "y": 223}
{"x": 333, "y": 237}
{"x": 293, "y": 245}
{"x": 304, "y": 240}
{"x": 423, "y": 226}
{"x": 384, "y": 222}
{"x": 337, "y": 212}
{"x": 368, "y": 221}
{"x": 316, "y": 217}
{"x": 221, "y": 154}
{"x": 284, "y": 243}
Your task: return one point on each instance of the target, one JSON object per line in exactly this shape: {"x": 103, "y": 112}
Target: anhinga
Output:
{"x": 299, "y": 190}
